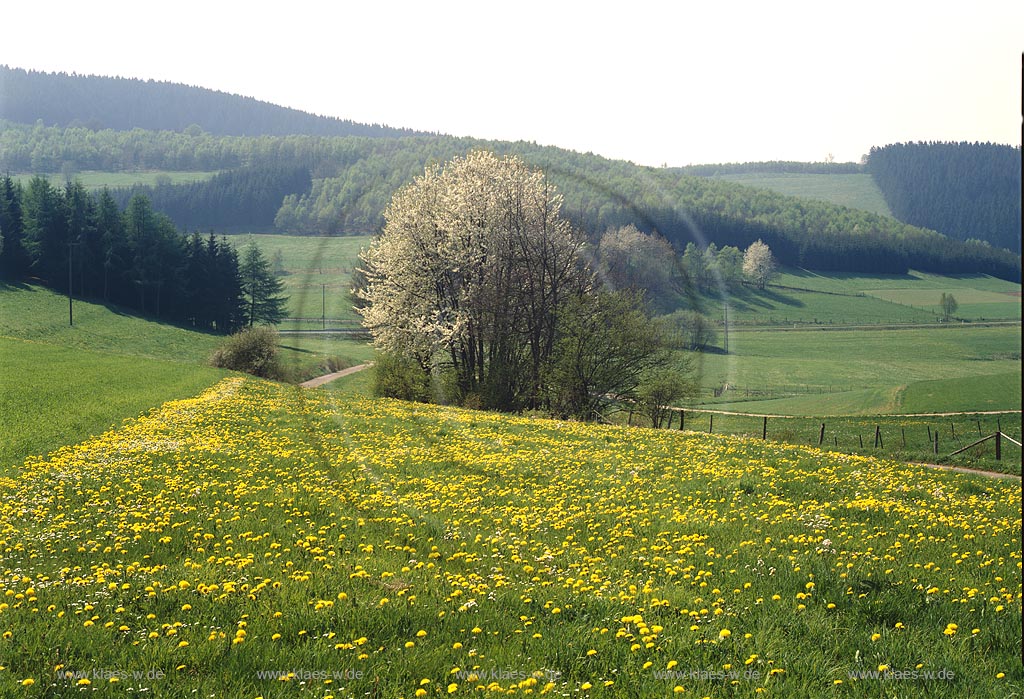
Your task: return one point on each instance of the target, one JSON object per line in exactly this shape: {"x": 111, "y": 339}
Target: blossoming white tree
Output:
{"x": 758, "y": 263}
{"x": 470, "y": 270}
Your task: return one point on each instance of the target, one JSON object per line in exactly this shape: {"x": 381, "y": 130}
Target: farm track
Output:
{"x": 327, "y": 378}
{"x": 972, "y": 471}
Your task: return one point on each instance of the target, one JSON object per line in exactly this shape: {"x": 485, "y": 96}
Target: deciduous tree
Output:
{"x": 758, "y": 264}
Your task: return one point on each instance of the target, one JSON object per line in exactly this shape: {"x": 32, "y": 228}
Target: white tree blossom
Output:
{"x": 758, "y": 263}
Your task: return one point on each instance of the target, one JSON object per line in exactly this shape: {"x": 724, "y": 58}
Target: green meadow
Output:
{"x": 317, "y": 274}
{"x": 858, "y": 191}
{"x": 60, "y": 383}
{"x": 96, "y": 179}
{"x": 866, "y": 371}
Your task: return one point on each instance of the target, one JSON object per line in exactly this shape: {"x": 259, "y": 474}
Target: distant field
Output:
{"x": 798, "y": 297}
{"x": 857, "y": 191}
{"x": 822, "y": 372}
{"x": 972, "y": 303}
{"x": 318, "y": 271}
{"x": 846, "y": 282}
{"x": 985, "y": 392}
{"x": 94, "y": 179}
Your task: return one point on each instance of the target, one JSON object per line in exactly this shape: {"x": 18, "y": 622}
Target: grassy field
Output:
{"x": 830, "y": 372}
{"x": 52, "y": 395}
{"x": 376, "y": 548}
{"x": 857, "y": 191}
{"x": 900, "y": 437}
{"x": 95, "y": 179}
{"x": 803, "y": 297}
{"x": 317, "y": 273}
{"x": 59, "y": 384}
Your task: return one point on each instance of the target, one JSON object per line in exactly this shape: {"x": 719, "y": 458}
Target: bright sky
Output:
{"x": 681, "y": 82}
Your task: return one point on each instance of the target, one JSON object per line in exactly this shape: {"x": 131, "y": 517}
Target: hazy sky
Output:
{"x": 653, "y": 82}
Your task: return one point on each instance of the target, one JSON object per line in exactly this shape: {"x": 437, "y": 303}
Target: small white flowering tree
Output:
{"x": 758, "y": 264}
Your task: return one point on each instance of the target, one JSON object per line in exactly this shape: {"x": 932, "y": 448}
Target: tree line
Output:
{"x": 85, "y": 244}
{"x": 244, "y": 199}
{"x": 352, "y": 179}
{"x": 964, "y": 190}
{"x": 99, "y": 102}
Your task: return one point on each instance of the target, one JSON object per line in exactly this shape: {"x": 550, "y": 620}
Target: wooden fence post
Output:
{"x": 878, "y": 437}
{"x": 821, "y": 434}
{"x": 904, "y": 433}
{"x": 629, "y": 421}
{"x": 861, "y": 438}
{"x": 929, "y": 433}
{"x": 671, "y": 414}
{"x": 711, "y": 423}
{"x": 764, "y": 428}
{"x": 978, "y": 420}
{"x": 936, "y": 448}
{"x": 999, "y": 446}
{"x": 952, "y": 429}
{"x": 682, "y": 419}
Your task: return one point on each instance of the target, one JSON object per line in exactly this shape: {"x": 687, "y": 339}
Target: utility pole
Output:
{"x": 71, "y": 310}
{"x": 323, "y": 306}
{"x": 726, "y": 343}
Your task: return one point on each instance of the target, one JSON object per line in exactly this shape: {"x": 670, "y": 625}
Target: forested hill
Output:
{"x": 59, "y": 99}
{"x": 964, "y": 190}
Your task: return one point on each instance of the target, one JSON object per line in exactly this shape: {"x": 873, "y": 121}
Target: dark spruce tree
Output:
{"x": 264, "y": 304}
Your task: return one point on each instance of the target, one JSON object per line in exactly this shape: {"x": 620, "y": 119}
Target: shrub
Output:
{"x": 253, "y": 350}
{"x": 397, "y": 376}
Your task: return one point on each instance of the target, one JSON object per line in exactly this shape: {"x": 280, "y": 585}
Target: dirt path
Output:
{"x": 974, "y": 471}
{"x": 326, "y": 378}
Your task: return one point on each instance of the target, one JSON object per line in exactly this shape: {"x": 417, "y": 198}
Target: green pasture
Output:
{"x": 862, "y": 371}
{"x": 60, "y": 384}
{"x": 36, "y": 313}
{"x": 56, "y": 395}
{"x": 317, "y": 274}
{"x": 900, "y": 437}
{"x": 851, "y": 283}
{"x": 857, "y": 191}
{"x": 781, "y": 307}
{"x": 96, "y": 179}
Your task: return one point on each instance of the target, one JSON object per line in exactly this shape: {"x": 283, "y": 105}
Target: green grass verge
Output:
{"x": 52, "y": 396}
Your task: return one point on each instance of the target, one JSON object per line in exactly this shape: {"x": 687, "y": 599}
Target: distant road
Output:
{"x": 328, "y": 331}
{"x": 326, "y": 378}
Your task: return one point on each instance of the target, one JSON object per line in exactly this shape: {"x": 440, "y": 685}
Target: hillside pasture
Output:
{"x": 976, "y": 304}
{"x": 857, "y": 191}
{"x": 53, "y": 395}
{"x": 405, "y": 550}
